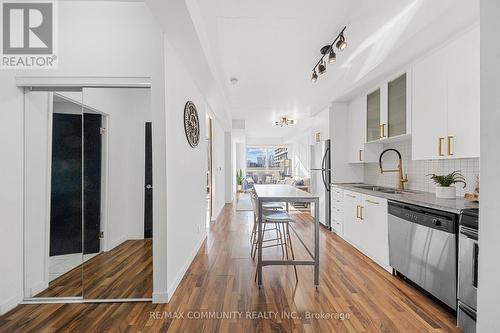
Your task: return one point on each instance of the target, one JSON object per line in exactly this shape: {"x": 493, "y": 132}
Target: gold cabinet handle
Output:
{"x": 357, "y": 211}
{"x": 440, "y": 146}
{"x": 450, "y": 143}
{"x": 382, "y": 131}
{"x": 359, "y": 155}
{"x": 361, "y": 213}
{"x": 350, "y": 195}
{"x": 372, "y": 202}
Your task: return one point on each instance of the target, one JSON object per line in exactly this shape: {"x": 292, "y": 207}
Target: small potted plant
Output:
{"x": 444, "y": 188}
{"x": 239, "y": 179}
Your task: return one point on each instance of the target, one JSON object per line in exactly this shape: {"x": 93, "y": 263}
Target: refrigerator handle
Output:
{"x": 323, "y": 170}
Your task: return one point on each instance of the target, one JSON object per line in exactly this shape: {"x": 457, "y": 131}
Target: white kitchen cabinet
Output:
{"x": 356, "y": 129}
{"x": 337, "y": 211}
{"x": 375, "y": 229}
{"x": 365, "y": 225}
{"x": 352, "y": 230}
{"x": 462, "y": 138}
{"x": 359, "y": 152}
{"x": 445, "y": 108}
{"x": 388, "y": 108}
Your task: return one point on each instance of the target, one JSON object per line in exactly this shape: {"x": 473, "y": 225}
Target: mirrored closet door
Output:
{"x": 118, "y": 188}
{"x": 53, "y": 232}
{"x": 88, "y": 195}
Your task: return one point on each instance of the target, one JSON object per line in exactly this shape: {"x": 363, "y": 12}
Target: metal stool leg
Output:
{"x": 291, "y": 250}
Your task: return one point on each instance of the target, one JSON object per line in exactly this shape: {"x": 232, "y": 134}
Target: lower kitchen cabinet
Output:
{"x": 366, "y": 226}
{"x": 338, "y": 211}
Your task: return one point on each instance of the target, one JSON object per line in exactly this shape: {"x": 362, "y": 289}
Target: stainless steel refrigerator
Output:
{"x": 321, "y": 179}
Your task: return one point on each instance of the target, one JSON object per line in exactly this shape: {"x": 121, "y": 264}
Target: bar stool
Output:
{"x": 281, "y": 219}
{"x": 273, "y": 206}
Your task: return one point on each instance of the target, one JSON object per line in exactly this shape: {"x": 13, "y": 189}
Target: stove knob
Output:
{"x": 436, "y": 222}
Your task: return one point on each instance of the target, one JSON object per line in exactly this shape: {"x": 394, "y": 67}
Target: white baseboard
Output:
{"x": 114, "y": 244}
{"x": 39, "y": 287}
{"x": 184, "y": 268}
{"x": 9, "y": 304}
{"x": 136, "y": 236}
{"x": 160, "y": 297}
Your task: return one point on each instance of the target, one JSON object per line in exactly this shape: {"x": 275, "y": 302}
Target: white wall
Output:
{"x": 186, "y": 172}
{"x": 132, "y": 47}
{"x": 228, "y": 167}
{"x": 489, "y": 226}
{"x": 218, "y": 165}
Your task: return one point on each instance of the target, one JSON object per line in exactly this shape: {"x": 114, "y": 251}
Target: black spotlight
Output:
{"x": 314, "y": 76}
{"x": 341, "y": 44}
{"x": 332, "y": 57}
{"x": 321, "y": 68}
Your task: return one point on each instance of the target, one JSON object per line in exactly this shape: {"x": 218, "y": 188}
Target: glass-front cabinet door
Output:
{"x": 396, "y": 106}
{"x": 373, "y": 116}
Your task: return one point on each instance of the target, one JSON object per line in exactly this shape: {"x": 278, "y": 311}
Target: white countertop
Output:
{"x": 281, "y": 191}
{"x": 426, "y": 199}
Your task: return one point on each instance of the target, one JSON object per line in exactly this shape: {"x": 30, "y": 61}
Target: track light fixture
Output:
{"x": 320, "y": 67}
{"x": 341, "y": 44}
{"x": 332, "y": 57}
{"x": 314, "y": 76}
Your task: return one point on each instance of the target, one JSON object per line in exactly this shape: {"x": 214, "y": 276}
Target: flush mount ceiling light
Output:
{"x": 284, "y": 122}
{"x": 320, "y": 66}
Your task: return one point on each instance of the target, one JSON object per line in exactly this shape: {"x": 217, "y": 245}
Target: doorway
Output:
{"x": 70, "y": 193}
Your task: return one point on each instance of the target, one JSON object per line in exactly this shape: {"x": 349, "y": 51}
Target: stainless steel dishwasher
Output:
{"x": 422, "y": 247}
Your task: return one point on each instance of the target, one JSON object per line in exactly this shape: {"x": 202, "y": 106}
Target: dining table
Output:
{"x": 287, "y": 194}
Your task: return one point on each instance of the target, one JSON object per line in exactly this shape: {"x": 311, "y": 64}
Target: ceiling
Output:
{"x": 271, "y": 46}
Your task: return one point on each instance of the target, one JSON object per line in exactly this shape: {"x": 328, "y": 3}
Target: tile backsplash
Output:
{"x": 418, "y": 170}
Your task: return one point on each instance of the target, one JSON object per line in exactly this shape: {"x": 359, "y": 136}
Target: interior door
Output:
{"x": 148, "y": 186}
{"x": 66, "y": 185}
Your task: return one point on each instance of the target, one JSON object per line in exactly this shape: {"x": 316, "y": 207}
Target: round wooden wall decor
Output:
{"x": 191, "y": 124}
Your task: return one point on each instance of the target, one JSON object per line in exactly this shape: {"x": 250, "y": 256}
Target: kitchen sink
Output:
{"x": 382, "y": 189}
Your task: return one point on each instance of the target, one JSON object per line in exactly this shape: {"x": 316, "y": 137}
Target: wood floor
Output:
{"x": 124, "y": 272}
{"x": 360, "y": 296}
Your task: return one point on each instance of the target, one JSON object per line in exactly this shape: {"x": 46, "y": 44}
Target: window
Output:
{"x": 268, "y": 157}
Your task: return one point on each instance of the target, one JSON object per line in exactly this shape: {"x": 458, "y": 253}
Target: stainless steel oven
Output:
{"x": 468, "y": 270}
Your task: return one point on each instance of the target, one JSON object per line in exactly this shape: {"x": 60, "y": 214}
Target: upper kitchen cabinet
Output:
{"x": 445, "y": 117}
{"x": 463, "y": 90}
{"x": 396, "y": 107}
{"x": 387, "y": 109}
{"x": 359, "y": 152}
{"x": 373, "y": 124}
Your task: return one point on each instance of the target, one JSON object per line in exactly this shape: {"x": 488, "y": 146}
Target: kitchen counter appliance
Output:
{"x": 468, "y": 270}
{"x": 422, "y": 248}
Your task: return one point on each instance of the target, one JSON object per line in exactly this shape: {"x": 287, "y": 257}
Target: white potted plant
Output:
{"x": 444, "y": 184}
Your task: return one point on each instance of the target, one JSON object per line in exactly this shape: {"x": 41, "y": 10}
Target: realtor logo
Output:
{"x": 28, "y": 35}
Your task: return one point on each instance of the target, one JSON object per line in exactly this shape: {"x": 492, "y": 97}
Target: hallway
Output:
{"x": 354, "y": 293}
